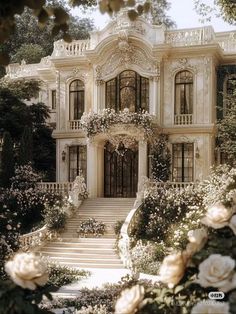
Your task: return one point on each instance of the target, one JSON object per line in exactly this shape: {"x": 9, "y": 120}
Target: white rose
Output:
{"x": 217, "y": 271}
{"x": 27, "y": 270}
{"x": 218, "y": 216}
{"x": 232, "y": 223}
{"x": 197, "y": 239}
{"x": 130, "y": 300}
{"x": 207, "y": 307}
{"x": 172, "y": 269}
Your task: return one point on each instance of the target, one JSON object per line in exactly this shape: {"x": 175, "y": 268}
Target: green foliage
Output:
{"x": 91, "y": 226}
{"x": 7, "y": 164}
{"x": 25, "y": 178}
{"x": 39, "y": 40}
{"x": 146, "y": 256}
{"x": 23, "y": 89}
{"x": 25, "y": 153}
{"x": 30, "y": 53}
{"x": 16, "y": 115}
{"x": 117, "y": 226}
{"x": 226, "y": 136}
{"x": 161, "y": 159}
{"x": 63, "y": 275}
{"x": 14, "y": 299}
{"x": 225, "y": 8}
{"x": 163, "y": 208}
{"x": 158, "y": 13}
{"x": 55, "y": 216}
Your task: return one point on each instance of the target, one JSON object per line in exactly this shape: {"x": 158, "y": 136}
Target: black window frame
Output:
{"x": 183, "y": 148}
{"x": 139, "y": 91}
{"x": 80, "y": 150}
{"x": 53, "y": 99}
{"x": 185, "y": 82}
{"x": 77, "y": 111}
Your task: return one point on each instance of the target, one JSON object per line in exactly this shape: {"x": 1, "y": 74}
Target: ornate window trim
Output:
{"x": 192, "y": 70}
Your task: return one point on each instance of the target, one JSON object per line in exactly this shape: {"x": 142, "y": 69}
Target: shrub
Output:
{"x": 117, "y": 226}
{"x": 25, "y": 178}
{"x": 91, "y": 226}
{"x": 146, "y": 256}
{"x": 162, "y": 208}
{"x": 62, "y": 275}
{"x": 98, "y": 309}
{"x": 54, "y": 217}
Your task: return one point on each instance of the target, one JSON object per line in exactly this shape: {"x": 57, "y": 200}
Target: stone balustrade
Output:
{"x": 75, "y": 48}
{"x": 125, "y": 240}
{"x": 74, "y": 125}
{"x": 56, "y": 187}
{"x": 190, "y": 37}
{"x": 37, "y": 238}
{"x": 183, "y": 119}
{"x": 227, "y": 41}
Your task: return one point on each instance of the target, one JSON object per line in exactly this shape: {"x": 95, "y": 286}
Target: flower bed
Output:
{"x": 91, "y": 227}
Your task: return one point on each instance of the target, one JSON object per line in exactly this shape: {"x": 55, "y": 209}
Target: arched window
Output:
{"x": 76, "y": 92}
{"x": 183, "y": 93}
{"x": 128, "y": 90}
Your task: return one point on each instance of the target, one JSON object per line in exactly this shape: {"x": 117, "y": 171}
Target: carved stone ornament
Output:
{"x": 182, "y": 64}
{"x": 122, "y": 142}
{"x": 125, "y": 55}
{"x": 123, "y": 22}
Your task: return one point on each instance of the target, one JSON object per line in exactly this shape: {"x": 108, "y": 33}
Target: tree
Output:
{"x": 225, "y": 8}
{"x": 161, "y": 159}
{"x": 158, "y": 13}
{"x": 27, "y": 32}
{"x": 7, "y": 165}
{"x": 25, "y": 154}
{"x": 226, "y": 137}
{"x": 30, "y": 53}
{"x": 15, "y": 116}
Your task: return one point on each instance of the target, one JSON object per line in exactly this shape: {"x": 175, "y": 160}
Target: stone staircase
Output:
{"x": 75, "y": 251}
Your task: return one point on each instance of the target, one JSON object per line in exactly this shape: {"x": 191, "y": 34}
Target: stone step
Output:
{"x": 91, "y": 255}
{"x": 65, "y": 245}
{"x": 78, "y": 250}
{"x": 96, "y": 261}
{"x": 92, "y": 266}
{"x": 87, "y": 240}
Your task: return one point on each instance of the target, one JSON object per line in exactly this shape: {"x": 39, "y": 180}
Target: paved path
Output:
{"x": 98, "y": 278}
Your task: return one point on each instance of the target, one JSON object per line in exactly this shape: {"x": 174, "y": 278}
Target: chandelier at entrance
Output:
{"x": 122, "y": 142}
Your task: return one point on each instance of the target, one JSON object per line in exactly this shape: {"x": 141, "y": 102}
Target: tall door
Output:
{"x": 121, "y": 172}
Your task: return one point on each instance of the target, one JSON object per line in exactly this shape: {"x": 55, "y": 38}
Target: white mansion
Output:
{"x": 175, "y": 75}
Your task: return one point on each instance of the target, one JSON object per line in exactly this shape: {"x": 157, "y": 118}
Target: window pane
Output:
{"x": 54, "y": 101}
{"x": 182, "y": 162}
{"x": 184, "y": 93}
{"x": 76, "y": 99}
{"x": 128, "y": 90}
{"x": 77, "y": 161}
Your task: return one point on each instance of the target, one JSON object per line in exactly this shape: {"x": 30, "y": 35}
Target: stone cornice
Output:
{"x": 63, "y": 134}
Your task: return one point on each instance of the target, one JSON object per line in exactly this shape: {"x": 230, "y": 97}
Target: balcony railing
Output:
{"x": 55, "y": 187}
{"x": 75, "y": 48}
{"x": 183, "y": 119}
{"x": 74, "y": 125}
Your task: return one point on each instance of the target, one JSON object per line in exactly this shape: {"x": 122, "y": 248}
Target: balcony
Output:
{"x": 74, "y": 125}
{"x": 183, "y": 119}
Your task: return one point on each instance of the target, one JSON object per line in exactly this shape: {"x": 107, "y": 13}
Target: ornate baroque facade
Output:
{"x": 142, "y": 67}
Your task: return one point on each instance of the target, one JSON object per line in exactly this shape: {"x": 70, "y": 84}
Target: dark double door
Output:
{"x": 120, "y": 172}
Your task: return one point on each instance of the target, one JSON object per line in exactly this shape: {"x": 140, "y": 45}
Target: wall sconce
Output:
{"x": 197, "y": 154}
{"x": 63, "y": 155}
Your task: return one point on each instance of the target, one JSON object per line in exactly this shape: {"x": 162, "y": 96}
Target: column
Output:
{"x": 155, "y": 97}
{"x": 142, "y": 160}
{"x": 99, "y": 95}
{"x": 92, "y": 169}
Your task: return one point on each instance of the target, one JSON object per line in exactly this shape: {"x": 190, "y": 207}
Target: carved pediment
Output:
{"x": 127, "y": 54}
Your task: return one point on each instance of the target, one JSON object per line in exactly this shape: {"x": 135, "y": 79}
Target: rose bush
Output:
{"x": 27, "y": 271}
